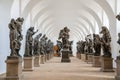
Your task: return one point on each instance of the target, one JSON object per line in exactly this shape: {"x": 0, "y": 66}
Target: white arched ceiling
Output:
{"x": 91, "y": 9}
{"x": 47, "y": 28}
{"x": 46, "y": 10}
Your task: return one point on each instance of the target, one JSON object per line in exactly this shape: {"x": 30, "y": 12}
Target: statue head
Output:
{"x": 66, "y": 29}
{"x": 12, "y": 20}
{"x": 20, "y": 19}
{"x": 40, "y": 34}
{"x": 31, "y": 28}
{"x": 119, "y": 35}
{"x": 46, "y": 38}
{"x": 104, "y": 30}
{"x": 118, "y": 16}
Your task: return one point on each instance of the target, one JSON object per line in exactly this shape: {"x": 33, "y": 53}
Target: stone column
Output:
{"x": 14, "y": 68}
{"x": 28, "y": 64}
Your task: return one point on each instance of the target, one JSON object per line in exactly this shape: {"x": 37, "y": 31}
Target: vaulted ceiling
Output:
{"x": 82, "y": 17}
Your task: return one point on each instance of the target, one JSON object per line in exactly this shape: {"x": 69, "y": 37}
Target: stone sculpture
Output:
{"x": 15, "y": 36}
{"x": 59, "y": 47}
{"x": 88, "y": 45}
{"x": 105, "y": 41}
{"x": 29, "y": 42}
{"x": 96, "y": 44}
{"x": 118, "y": 16}
{"x": 81, "y": 47}
{"x": 64, "y": 34}
{"x": 70, "y": 48}
{"x": 118, "y": 57}
{"x": 37, "y": 45}
{"x": 43, "y": 43}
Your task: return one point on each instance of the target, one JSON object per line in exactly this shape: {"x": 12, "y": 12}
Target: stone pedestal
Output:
{"x": 83, "y": 57}
{"x": 106, "y": 64}
{"x": 65, "y": 56}
{"x": 47, "y": 56}
{"x": 42, "y": 59}
{"x": 96, "y": 61}
{"x": 117, "y": 77}
{"x": 14, "y": 68}
{"x": 78, "y": 55}
{"x": 89, "y": 58}
{"x": 37, "y": 61}
{"x": 28, "y": 64}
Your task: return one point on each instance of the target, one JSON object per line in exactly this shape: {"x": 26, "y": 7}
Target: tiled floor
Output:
{"x": 76, "y": 70}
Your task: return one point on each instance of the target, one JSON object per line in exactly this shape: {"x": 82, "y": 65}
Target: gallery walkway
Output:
{"x": 76, "y": 70}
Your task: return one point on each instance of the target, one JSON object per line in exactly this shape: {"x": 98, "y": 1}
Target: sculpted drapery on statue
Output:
{"x": 15, "y": 36}
{"x": 118, "y": 57}
{"x": 105, "y": 41}
{"x": 64, "y": 34}
{"x": 37, "y": 45}
{"x": 88, "y": 44}
{"x": 29, "y": 42}
{"x": 96, "y": 44}
{"x": 43, "y": 45}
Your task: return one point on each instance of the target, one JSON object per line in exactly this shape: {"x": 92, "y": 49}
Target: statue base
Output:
{"x": 96, "y": 61}
{"x": 14, "y": 68}
{"x": 117, "y": 77}
{"x": 45, "y": 58}
{"x": 71, "y": 55}
{"x": 106, "y": 64}
{"x": 37, "y": 61}
{"x": 28, "y": 64}
{"x": 42, "y": 59}
{"x": 83, "y": 57}
{"x": 89, "y": 58}
{"x": 48, "y": 56}
{"x": 78, "y": 55}
{"x": 65, "y": 56}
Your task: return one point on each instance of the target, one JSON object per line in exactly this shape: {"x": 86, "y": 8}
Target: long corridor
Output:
{"x": 76, "y": 70}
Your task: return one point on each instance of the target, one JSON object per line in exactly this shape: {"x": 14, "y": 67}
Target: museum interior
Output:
{"x": 60, "y": 40}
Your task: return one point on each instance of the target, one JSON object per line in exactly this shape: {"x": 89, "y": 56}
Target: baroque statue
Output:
{"x": 36, "y": 47}
{"x": 105, "y": 42}
{"x": 64, "y": 35}
{"x": 15, "y": 36}
{"x": 118, "y": 57}
{"x": 29, "y": 42}
{"x": 118, "y": 16}
{"x": 97, "y": 44}
{"x": 59, "y": 47}
{"x": 43, "y": 43}
{"x": 88, "y": 45}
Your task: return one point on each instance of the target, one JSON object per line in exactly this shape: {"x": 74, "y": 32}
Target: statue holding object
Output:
{"x": 29, "y": 42}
